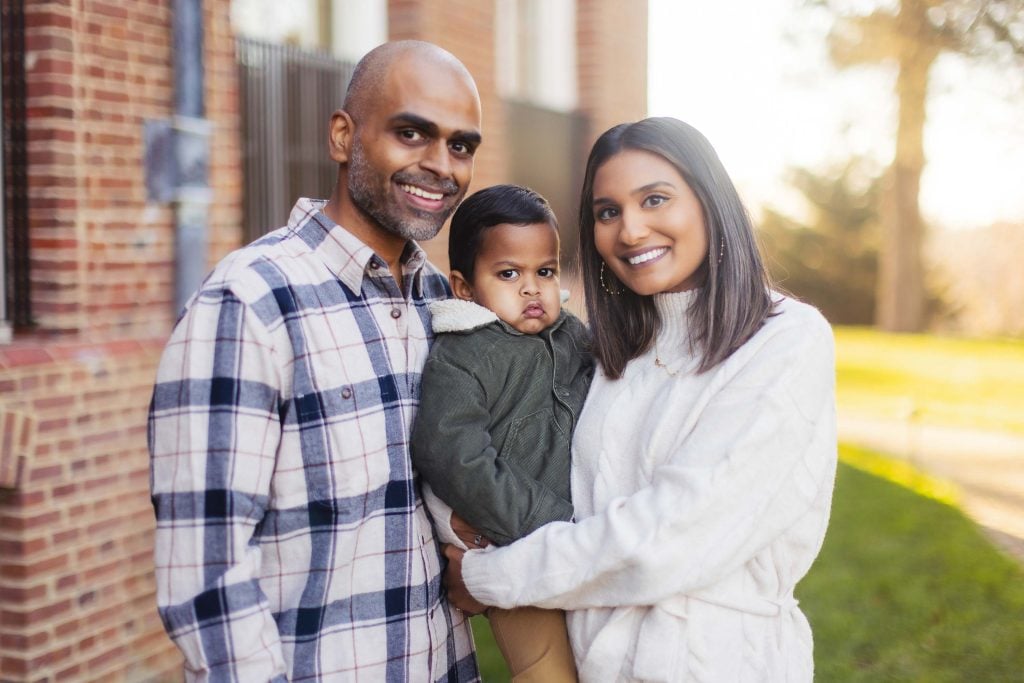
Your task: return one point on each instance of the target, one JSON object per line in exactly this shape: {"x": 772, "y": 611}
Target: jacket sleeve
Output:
{"x": 452, "y": 450}
{"x": 759, "y": 460}
{"x": 213, "y": 435}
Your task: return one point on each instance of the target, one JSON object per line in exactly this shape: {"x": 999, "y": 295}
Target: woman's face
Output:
{"x": 648, "y": 224}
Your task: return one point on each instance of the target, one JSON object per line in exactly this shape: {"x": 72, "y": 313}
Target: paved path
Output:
{"x": 986, "y": 467}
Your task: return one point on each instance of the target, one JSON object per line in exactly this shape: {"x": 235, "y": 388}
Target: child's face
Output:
{"x": 516, "y": 276}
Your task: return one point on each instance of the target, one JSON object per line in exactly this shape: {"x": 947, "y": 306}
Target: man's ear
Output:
{"x": 460, "y": 286}
{"x": 341, "y": 133}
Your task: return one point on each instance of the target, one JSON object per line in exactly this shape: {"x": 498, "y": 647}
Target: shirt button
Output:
{"x": 374, "y": 264}
{"x": 395, "y": 313}
{"x": 346, "y": 393}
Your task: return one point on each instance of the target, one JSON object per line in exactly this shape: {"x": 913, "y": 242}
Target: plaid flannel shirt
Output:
{"x": 291, "y": 541}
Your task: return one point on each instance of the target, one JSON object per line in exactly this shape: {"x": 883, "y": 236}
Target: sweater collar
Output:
{"x": 672, "y": 345}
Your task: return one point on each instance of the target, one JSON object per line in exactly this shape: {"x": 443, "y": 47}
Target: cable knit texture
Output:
{"x": 701, "y": 500}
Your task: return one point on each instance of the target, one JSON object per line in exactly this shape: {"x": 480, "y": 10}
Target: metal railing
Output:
{"x": 15, "y": 301}
{"x": 287, "y": 96}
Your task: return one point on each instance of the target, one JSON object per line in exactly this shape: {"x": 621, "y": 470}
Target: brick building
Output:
{"x": 92, "y": 257}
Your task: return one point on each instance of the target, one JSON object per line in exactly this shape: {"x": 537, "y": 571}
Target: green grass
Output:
{"x": 905, "y": 588}
{"x": 937, "y": 380}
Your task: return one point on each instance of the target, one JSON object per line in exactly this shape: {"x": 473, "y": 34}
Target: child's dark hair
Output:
{"x": 495, "y": 205}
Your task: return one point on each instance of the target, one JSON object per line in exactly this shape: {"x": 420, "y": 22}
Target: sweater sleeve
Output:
{"x": 755, "y": 464}
{"x": 452, "y": 450}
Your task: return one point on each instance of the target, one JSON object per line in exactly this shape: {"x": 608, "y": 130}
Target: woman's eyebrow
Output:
{"x": 640, "y": 190}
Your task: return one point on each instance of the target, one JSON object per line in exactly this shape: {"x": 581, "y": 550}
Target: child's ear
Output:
{"x": 460, "y": 286}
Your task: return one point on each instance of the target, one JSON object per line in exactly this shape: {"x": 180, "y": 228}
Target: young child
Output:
{"x": 501, "y": 393}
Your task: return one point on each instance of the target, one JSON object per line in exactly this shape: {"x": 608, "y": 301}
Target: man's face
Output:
{"x": 412, "y": 154}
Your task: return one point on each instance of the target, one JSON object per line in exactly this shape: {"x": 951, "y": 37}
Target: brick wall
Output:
{"x": 611, "y": 53}
{"x": 76, "y": 591}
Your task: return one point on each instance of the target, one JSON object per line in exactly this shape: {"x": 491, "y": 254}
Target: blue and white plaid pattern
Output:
{"x": 291, "y": 541}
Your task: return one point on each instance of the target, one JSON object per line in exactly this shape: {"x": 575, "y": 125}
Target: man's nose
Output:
{"x": 437, "y": 159}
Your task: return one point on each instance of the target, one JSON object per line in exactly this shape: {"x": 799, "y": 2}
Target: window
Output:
{"x": 535, "y": 46}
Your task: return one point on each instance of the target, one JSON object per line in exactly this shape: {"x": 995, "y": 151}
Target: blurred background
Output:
{"x": 878, "y": 144}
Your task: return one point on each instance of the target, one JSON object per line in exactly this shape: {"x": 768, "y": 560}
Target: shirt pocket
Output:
{"x": 540, "y": 448}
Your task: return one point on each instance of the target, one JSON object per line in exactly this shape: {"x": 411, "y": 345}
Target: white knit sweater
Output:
{"x": 701, "y": 500}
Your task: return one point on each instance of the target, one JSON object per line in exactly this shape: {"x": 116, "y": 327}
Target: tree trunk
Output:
{"x": 901, "y": 290}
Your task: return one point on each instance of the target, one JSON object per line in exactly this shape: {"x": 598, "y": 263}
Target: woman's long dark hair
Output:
{"x": 734, "y": 300}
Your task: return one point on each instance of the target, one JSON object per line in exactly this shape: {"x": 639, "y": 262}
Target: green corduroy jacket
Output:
{"x": 496, "y": 416}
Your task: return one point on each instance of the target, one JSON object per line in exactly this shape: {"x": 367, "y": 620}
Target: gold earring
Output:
{"x": 604, "y": 285}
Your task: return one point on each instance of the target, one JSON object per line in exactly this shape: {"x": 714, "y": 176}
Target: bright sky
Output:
{"x": 753, "y": 76}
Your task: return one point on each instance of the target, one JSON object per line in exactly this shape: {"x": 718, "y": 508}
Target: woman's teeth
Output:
{"x": 646, "y": 256}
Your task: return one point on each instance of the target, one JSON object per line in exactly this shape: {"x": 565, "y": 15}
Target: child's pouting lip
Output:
{"x": 534, "y": 310}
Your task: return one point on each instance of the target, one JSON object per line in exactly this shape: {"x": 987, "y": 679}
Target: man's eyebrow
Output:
{"x": 430, "y": 128}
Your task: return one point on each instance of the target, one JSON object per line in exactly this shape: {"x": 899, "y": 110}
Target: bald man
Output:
{"x": 291, "y": 541}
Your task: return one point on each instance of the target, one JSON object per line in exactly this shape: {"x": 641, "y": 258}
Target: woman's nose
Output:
{"x": 633, "y": 229}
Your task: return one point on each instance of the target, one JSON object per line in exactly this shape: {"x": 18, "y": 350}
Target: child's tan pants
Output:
{"x": 535, "y": 644}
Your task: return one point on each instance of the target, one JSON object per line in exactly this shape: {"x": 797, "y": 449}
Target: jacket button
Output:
{"x": 395, "y": 313}
{"x": 346, "y": 393}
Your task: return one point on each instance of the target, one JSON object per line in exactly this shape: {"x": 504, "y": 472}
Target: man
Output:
{"x": 291, "y": 540}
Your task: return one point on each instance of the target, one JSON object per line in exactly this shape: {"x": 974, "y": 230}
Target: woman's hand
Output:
{"x": 467, "y": 534}
{"x": 458, "y": 595}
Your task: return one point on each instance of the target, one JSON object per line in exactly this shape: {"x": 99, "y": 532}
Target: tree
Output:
{"x": 912, "y": 36}
{"x": 831, "y": 260}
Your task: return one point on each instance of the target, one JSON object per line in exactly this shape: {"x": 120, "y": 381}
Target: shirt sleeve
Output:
{"x": 760, "y": 459}
{"x": 453, "y": 452}
{"x": 214, "y": 428}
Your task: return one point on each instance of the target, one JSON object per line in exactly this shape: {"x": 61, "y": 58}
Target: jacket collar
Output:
{"x": 461, "y": 316}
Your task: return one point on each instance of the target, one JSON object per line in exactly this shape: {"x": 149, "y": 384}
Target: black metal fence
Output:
{"x": 16, "y": 304}
{"x": 287, "y": 97}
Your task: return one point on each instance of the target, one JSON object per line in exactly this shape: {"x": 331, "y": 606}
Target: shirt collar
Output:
{"x": 345, "y": 254}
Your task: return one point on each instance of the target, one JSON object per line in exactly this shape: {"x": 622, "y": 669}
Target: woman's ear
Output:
{"x": 460, "y": 286}
{"x": 340, "y": 136}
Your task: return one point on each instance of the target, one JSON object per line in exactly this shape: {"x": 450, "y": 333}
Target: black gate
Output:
{"x": 15, "y": 302}
{"x": 287, "y": 97}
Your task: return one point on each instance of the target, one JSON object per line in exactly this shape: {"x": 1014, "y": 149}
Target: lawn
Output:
{"x": 905, "y": 589}
{"x": 937, "y": 380}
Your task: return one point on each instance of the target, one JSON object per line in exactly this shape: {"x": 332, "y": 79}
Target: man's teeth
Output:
{"x": 646, "y": 256}
{"x": 420, "y": 192}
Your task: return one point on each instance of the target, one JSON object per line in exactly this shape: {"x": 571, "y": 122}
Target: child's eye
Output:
{"x": 607, "y": 214}
{"x": 509, "y": 274}
{"x": 547, "y": 272}
{"x": 654, "y": 200}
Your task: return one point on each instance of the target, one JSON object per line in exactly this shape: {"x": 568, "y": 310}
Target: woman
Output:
{"x": 705, "y": 455}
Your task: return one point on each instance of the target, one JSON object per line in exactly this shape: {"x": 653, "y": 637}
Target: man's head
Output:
{"x": 405, "y": 141}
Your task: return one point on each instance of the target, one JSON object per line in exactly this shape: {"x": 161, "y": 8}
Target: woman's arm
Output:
{"x": 757, "y": 462}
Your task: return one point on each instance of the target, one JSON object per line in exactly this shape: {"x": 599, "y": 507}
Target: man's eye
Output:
{"x": 461, "y": 148}
{"x": 607, "y": 214}
{"x": 411, "y": 135}
{"x": 508, "y": 274}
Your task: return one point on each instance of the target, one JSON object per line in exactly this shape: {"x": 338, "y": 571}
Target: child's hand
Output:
{"x": 458, "y": 595}
{"x": 467, "y": 534}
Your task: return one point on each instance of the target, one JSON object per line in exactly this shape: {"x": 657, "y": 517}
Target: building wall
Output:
{"x": 611, "y": 39}
{"x": 76, "y": 591}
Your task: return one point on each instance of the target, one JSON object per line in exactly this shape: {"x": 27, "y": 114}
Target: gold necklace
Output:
{"x": 661, "y": 364}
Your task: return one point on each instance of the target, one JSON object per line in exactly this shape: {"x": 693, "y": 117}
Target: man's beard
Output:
{"x": 364, "y": 187}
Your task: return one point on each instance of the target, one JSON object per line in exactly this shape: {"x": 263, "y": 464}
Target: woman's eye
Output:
{"x": 654, "y": 200}
{"x": 508, "y": 274}
{"x": 606, "y": 214}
